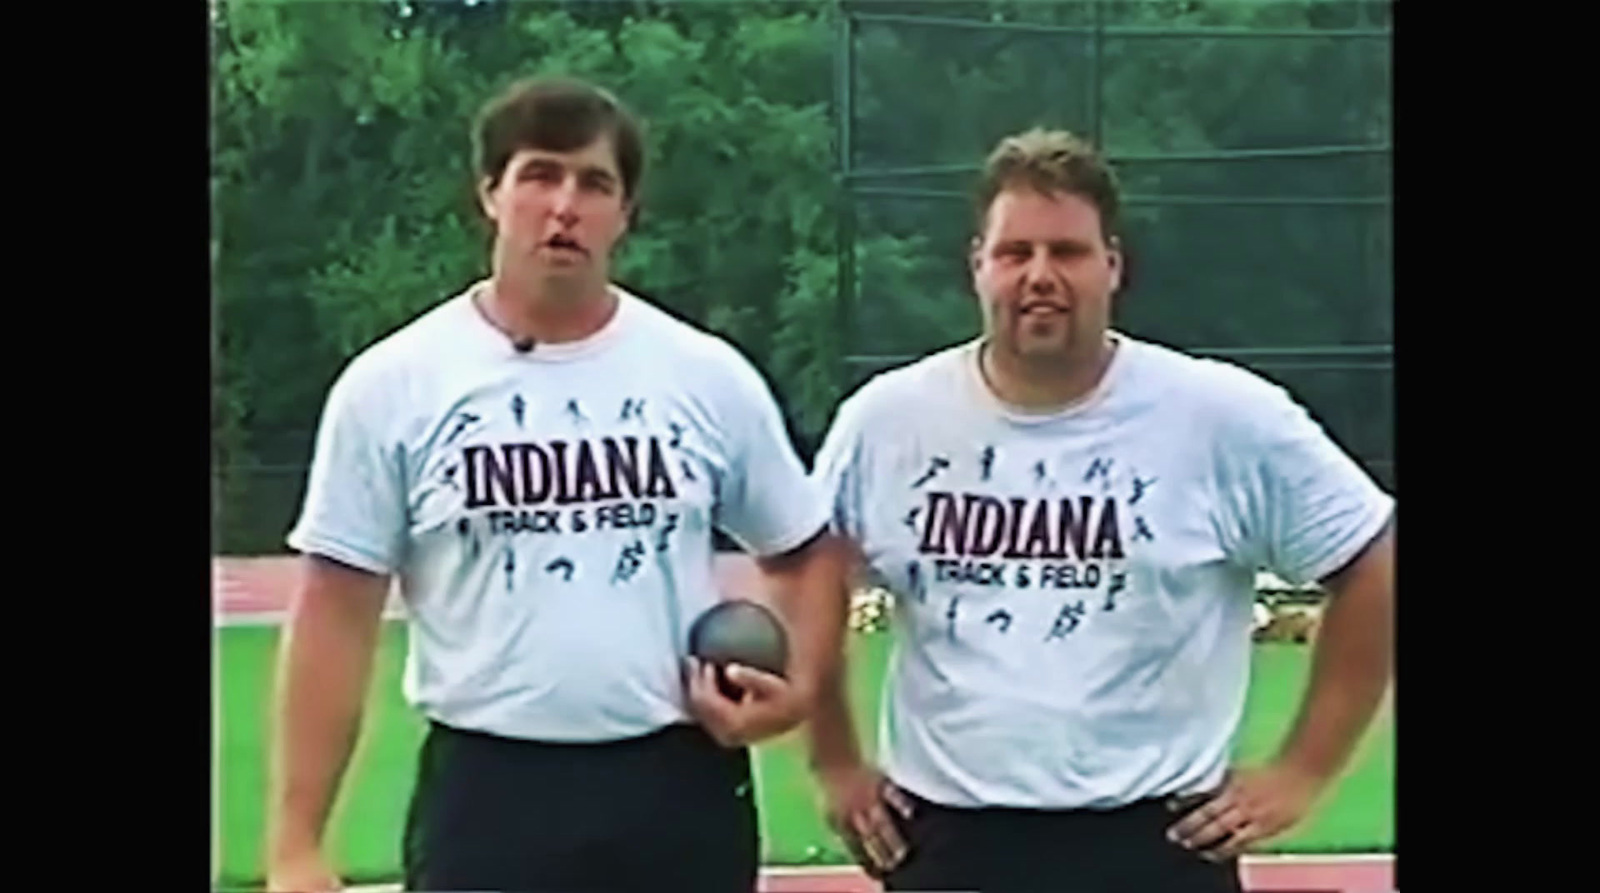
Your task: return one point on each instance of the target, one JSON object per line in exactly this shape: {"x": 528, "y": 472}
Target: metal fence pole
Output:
{"x": 844, "y": 195}
{"x": 1097, "y": 79}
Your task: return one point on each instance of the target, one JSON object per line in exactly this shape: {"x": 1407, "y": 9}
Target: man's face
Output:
{"x": 558, "y": 214}
{"x": 1045, "y": 275}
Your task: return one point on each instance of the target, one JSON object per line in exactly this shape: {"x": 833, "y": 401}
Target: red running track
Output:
{"x": 1265, "y": 874}
{"x": 241, "y": 587}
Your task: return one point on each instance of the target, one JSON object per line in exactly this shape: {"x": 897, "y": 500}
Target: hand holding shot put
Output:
{"x": 738, "y": 676}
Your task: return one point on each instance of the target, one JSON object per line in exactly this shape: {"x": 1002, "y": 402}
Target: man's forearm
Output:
{"x": 831, "y": 731}
{"x": 1351, "y": 666}
{"x": 323, "y": 673}
{"x": 810, "y": 594}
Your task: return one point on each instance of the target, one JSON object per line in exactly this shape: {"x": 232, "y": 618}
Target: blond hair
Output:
{"x": 1050, "y": 161}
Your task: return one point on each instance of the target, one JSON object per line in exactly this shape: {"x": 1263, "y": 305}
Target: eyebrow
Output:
{"x": 591, "y": 171}
{"x": 1053, "y": 243}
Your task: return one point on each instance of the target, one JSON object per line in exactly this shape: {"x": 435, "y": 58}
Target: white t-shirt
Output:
{"x": 1074, "y": 591}
{"x": 549, "y": 514}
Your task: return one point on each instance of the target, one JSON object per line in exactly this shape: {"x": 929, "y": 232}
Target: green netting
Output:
{"x": 1253, "y": 145}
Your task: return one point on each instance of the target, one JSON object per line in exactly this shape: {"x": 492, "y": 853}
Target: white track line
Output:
{"x": 846, "y": 870}
{"x": 225, "y": 619}
{"x": 1319, "y": 859}
{"x": 1332, "y": 859}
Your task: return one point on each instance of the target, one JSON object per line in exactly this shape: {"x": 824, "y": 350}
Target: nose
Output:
{"x": 565, "y": 205}
{"x": 1036, "y": 275}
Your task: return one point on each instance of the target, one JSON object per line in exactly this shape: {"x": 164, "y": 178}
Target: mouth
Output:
{"x": 1041, "y": 310}
{"x": 564, "y": 245}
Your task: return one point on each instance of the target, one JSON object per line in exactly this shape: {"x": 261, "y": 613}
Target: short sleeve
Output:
{"x": 354, "y": 509}
{"x": 837, "y": 471}
{"x": 1303, "y": 507}
{"x": 767, "y": 504}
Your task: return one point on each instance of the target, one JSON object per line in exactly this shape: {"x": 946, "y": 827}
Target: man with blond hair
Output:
{"x": 1071, "y": 520}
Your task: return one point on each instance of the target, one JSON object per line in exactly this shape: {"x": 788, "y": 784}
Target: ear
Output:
{"x": 975, "y": 254}
{"x": 630, "y": 210}
{"x": 486, "y": 199}
{"x": 1115, "y": 259}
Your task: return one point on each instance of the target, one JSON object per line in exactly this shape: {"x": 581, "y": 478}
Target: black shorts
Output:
{"x": 1070, "y": 851}
{"x": 669, "y": 811}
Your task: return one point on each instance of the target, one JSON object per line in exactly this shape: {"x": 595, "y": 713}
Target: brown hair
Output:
{"x": 557, "y": 115}
{"x": 1050, "y": 161}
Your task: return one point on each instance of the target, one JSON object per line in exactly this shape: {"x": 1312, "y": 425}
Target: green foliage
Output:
{"x": 342, "y": 183}
{"x": 390, "y": 278}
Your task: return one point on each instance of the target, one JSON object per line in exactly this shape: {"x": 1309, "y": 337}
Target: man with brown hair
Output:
{"x": 1073, "y": 588}
{"x": 539, "y": 462}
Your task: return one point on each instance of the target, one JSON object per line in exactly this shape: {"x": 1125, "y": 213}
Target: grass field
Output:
{"x": 365, "y": 828}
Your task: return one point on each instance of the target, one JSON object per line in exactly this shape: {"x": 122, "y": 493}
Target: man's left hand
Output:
{"x": 770, "y": 705}
{"x": 1254, "y": 805}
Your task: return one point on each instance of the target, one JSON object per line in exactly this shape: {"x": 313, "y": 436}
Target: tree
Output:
{"x": 343, "y": 185}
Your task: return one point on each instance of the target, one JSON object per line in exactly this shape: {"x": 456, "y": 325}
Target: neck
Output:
{"x": 549, "y": 310}
{"x": 1043, "y": 385}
